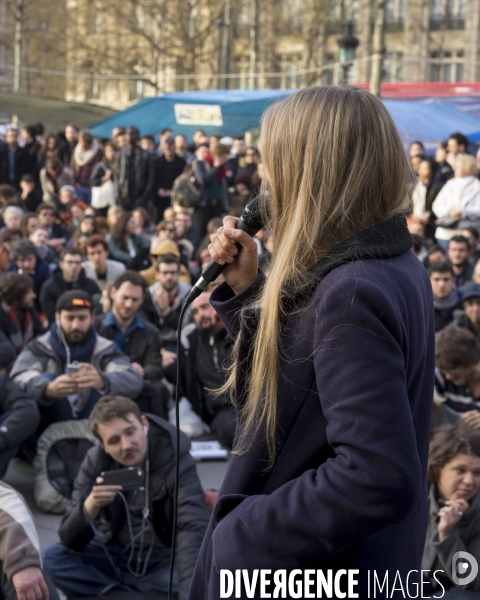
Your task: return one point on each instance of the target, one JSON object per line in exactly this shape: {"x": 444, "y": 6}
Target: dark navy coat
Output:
{"x": 349, "y": 487}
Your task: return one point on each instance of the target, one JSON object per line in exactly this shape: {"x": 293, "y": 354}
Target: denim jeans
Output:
{"x": 84, "y": 194}
{"x": 86, "y": 573}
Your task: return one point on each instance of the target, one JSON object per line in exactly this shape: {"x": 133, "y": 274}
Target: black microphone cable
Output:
{"x": 251, "y": 223}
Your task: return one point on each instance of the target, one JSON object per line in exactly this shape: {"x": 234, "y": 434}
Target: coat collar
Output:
{"x": 387, "y": 239}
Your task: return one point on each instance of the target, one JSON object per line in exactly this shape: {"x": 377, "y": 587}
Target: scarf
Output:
{"x": 18, "y": 333}
{"x": 450, "y": 301}
{"x": 222, "y": 169}
{"x": 83, "y": 157}
{"x": 386, "y": 239}
{"x": 68, "y": 353}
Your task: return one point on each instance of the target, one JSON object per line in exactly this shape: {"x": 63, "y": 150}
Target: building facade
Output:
{"x": 112, "y": 53}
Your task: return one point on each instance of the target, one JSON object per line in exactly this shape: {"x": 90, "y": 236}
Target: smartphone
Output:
{"x": 130, "y": 478}
{"x": 73, "y": 368}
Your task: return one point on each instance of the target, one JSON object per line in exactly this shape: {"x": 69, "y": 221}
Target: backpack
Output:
{"x": 184, "y": 191}
{"x": 60, "y": 451}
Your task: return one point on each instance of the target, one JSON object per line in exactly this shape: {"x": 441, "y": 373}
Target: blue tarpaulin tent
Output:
{"x": 224, "y": 112}
{"x": 234, "y": 112}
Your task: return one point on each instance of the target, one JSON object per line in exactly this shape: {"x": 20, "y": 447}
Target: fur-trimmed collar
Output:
{"x": 383, "y": 240}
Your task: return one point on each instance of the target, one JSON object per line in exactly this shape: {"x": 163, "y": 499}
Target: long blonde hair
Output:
{"x": 334, "y": 165}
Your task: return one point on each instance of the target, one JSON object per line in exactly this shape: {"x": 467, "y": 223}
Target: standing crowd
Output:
{"x": 100, "y": 242}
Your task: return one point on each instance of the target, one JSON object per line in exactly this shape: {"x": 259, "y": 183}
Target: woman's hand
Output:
{"x": 450, "y": 516}
{"x": 455, "y": 214}
{"x": 242, "y": 269}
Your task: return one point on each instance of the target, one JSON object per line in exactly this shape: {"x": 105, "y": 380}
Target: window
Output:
{"x": 395, "y": 11}
{"x": 448, "y": 15}
{"x": 328, "y": 73}
{"x": 140, "y": 16}
{"x": 3, "y": 58}
{"x": 340, "y": 12}
{"x": 99, "y": 21}
{"x": 291, "y": 17}
{"x": 447, "y": 66}
{"x": 392, "y": 67}
{"x": 136, "y": 89}
{"x": 289, "y": 64}
{"x": 3, "y": 16}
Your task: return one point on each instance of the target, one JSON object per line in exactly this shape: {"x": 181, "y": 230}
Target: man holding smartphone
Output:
{"x": 113, "y": 539}
{"x": 67, "y": 369}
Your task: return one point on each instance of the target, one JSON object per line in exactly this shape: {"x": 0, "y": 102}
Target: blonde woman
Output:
{"x": 334, "y": 357}
{"x": 458, "y": 203}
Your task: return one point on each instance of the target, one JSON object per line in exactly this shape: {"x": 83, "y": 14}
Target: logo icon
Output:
{"x": 460, "y": 567}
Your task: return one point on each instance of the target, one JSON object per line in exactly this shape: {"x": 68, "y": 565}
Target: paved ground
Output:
{"x": 20, "y": 476}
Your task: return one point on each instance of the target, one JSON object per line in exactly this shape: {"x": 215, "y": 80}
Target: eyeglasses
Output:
{"x": 72, "y": 262}
{"x": 170, "y": 230}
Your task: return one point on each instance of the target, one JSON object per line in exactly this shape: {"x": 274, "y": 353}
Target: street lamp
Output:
{"x": 347, "y": 44}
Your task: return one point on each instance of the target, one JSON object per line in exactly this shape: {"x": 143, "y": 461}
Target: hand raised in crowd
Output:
{"x": 242, "y": 269}
{"x": 29, "y": 584}
{"x": 450, "y": 515}
{"x": 62, "y": 386}
{"x": 162, "y": 298}
{"x": 471, "y": 418}
{"x": 138, "y": 368}
{"x": 218, "y": 161}
{"x": 162, "y": 192}
{"x": 168, "y": 358}
{"x": 455, "y": 213}
{"x": 100, "y": 496}
{"x": 88, "y": 377}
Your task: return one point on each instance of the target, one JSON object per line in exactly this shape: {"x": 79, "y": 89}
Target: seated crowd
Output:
{"x": 91, "y": 289}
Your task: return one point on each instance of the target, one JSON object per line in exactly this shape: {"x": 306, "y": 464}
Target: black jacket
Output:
{"x": 59, "y": 231}
{"x": 466, "y": 275}
{"x": 24, "y": 416}
{"x": 30, "y": 203}
{"x": 65, "y": 151}
{"x": 54, "y": 287}
{"x": 8, "y": 353}
{"x": 203, "y": 367}
{"x": 443, "y": 173}
{"x": 143, "y": 177}
{"x": 166, "y": 172}
{"x": 75, "y": 530}
{"x": 141, "y": 346}
{"x": 444, "y": 316}
{"x": 22, "y": 166}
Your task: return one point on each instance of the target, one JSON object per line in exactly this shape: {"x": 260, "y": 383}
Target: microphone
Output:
{"x": 251, "y": 223}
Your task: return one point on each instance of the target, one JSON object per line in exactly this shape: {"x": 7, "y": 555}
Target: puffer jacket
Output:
{"x": 33, "y": 368}
{"x": 24, "y": 417}
{"x": 75, "y": 530}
